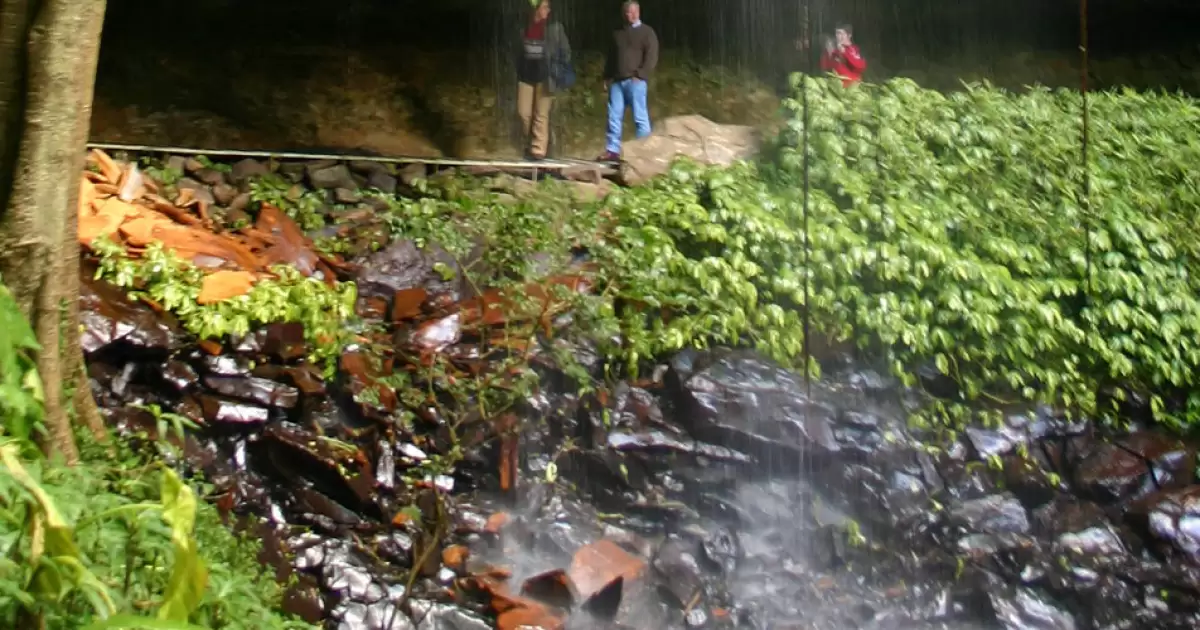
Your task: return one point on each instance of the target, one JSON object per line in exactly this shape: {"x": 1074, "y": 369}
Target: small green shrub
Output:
{"x": 118, "y": 539}
{"x": 115, "y": 541}
{"x": 175, "y": 284}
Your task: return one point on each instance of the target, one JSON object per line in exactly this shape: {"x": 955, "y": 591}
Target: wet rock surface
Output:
{"x": 723, "y": 495}
{"x": 724, "y": 492}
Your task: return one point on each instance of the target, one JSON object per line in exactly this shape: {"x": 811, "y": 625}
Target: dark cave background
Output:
{"x": 276, "y": 74}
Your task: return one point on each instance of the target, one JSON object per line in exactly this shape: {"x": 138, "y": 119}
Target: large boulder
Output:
{"x": 693, "y": 136}
{"x": 741, "y": 400}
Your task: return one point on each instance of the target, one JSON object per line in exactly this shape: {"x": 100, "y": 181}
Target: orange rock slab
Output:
{"x": 222, "y": 285}
{"x": 601, "y": 563}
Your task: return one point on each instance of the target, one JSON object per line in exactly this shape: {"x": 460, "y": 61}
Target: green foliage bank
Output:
{"x": 955, "y": 228}
{"x": 948, "y": 231}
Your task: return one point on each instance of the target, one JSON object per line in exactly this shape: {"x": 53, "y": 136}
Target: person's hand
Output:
{"x": 607, "y": 85}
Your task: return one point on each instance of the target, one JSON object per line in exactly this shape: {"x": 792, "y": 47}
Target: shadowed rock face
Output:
{"x": 745, "y": 402}
{"x": 109, "y": 318}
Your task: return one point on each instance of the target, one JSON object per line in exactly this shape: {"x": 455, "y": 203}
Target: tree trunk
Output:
{"x": 48, "y": 54}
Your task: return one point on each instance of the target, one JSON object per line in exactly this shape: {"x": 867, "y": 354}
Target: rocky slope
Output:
{"x": 719, "y": 491}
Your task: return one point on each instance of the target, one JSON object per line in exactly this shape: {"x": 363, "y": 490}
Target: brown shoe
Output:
{"x": 609, "y": 156}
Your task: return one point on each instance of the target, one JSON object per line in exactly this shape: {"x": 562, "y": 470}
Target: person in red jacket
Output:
{"x": 842, "y": 56}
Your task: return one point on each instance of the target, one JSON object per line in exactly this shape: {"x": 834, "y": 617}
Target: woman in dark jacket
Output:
{"x": 543, "y": 68}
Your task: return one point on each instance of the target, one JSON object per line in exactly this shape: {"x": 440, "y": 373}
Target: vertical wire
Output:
{"x": 1085, "y": 201}
{"x": 809, "y": 34}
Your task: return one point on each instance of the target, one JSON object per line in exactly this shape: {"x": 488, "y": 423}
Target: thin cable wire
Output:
{"x": 1085, "y": 201}
{"x": 809, "y": 34}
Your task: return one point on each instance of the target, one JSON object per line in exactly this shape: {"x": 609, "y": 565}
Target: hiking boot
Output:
{"x": 609, "y": 156}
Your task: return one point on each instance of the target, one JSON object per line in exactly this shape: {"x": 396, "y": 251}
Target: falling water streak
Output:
{"x": 1085, "y": 201}
{"x": 809, "y": 70}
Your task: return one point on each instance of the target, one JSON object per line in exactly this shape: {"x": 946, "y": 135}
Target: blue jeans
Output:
{"x": 633, "y": 92}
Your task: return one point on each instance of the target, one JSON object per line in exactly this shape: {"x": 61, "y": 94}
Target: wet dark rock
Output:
{"x": 323, "y": 415}
{"x": 382, "y": 182}
{"x": 741, "y": 400}
{"x": 410, "y": 173}
{"x": 382, "y": 615}
{"x": 351, "y": 581}
{"x": 330, "y": 177}
{"x": 210, "y": 176}
{"x": 1084, "y": 530}
{"x": 120, "y": 382}
{"x": 990, "y": 442}
{"x": 396, "y": 547}
{"x": 1135, "y": 466}
{"x": 237, "y": 208}
{"x": 636, "y": 408}
{"x": 200, "y": 192}
{"x": 293, "y": 171}
{"x": 433, "y": 616}
{"x": 371, "y": 307}
{"x": 1025, "y": 609}
{"x": 436, "y": 334}
{"x": 337, "y": 467}
{"x": 323, "y": 512}
{"x": 283, "y": 341}
{"x": 191, "y": 409}
{"x": 929, "y": 472}
{"x": 346, "y": 196}
{"x": 246, "y": 169}
{"x": 366, "y": 167}
{"x": 935, "y": 383}
{"x": 224, "y": 365}
{"x": 101, "y": 377}
{"x": 722, "y": 548}
{"x": 966, "y": 480}
{"x": 678, "y": 566}
{"x": 179, "y": 375}
{"x": 108, "y": 316}
{"x": 1172, "y": 463}
{"x": 606, "y": 475}
{"x": 1100, "y": 540}
{"x": 1049, "y": 423}
{"x": 551, "y": 587}
{"x": 223, "y": 410}
{"x": 996, "y": 514}
{"x": 224, "y": 194}
{"x": 305, "y": 378}
{"x": 1172, "y": 519}
{"x": 375, "y": 399}
{"x": 253, "y": 389}
{"x": 176, "y": 163}
{"x": 660, "y": 442}
{"x": 1032, "y": 478}
{"x": 892, "y": 499}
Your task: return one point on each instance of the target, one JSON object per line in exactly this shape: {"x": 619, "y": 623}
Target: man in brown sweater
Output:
{"x": 631, "y": 60}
